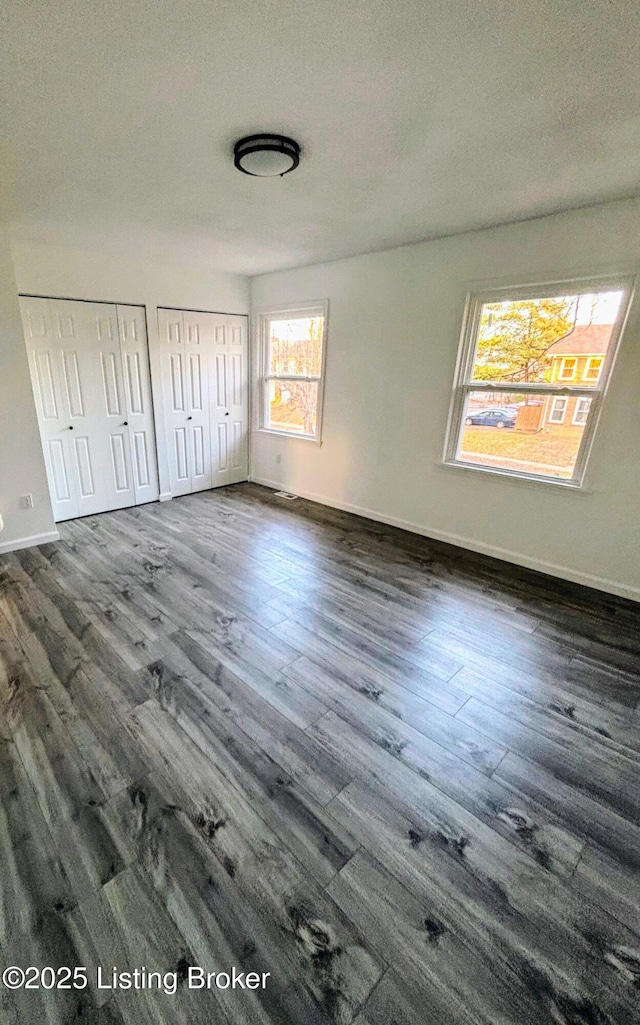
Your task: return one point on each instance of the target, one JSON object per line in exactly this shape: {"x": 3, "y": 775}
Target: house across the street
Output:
{"x": 576, "y": 359}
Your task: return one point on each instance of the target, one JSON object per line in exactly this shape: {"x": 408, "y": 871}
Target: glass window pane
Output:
{"x": 561, "y": 338}
{"x": 537, "y": 434}
{"x": 293, "y": 407}
{"x": 568, "y": 369}
{"x": 295, "y": 346}
{"x": 558, "y": 410}
{"x": 581, "y": 411}
{"x": 593, "y": 368}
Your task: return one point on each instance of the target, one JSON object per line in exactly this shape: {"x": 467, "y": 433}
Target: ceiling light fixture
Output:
{"x": 265, "y": 155}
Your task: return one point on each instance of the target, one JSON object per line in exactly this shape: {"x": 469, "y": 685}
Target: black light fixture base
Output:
{"x": 266, "y": 143}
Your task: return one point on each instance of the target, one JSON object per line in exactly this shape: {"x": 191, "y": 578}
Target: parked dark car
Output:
{"x": 492, "y": 418}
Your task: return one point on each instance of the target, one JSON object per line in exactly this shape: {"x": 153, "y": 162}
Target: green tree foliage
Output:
{"x": 515, "y": 336}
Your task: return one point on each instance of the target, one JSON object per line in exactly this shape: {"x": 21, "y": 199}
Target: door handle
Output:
{"x": 189, "y": 418}
{"x": 226, "y": 414}
{"x": 71, "y": 428}
{"x": 125, "y": 423}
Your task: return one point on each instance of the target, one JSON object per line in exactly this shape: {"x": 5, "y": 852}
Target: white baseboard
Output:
{"x": 165, "y": 496}
{"x": 28, "y": 542}
{"x": 517, "y": 558}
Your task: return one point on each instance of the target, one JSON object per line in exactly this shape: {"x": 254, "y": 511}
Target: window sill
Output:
{"x": 287, "y": 434}
{"x": 518, "y": 479}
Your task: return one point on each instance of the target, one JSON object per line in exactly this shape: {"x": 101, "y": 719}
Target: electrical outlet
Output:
{"x": 26, "y": 501}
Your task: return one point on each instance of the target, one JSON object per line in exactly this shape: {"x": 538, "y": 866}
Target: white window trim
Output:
{"x": 588, "y": 367}
{"x": 463, "y": 383}
{"x": 553, "y": 406}
{"x": 575, "y": 421}
{"x": 568, "y": 377}
{"x": 318, "y": 308}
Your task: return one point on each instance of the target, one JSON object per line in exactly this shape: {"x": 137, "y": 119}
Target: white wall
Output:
{"x": 130, "y": 278}
{"x": 21, "y": 462}
{"x": 394, "y": 328}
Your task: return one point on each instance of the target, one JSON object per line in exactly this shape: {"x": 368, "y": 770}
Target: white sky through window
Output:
{"x": 291, "y": 330}
{"x": 598, "y": 308}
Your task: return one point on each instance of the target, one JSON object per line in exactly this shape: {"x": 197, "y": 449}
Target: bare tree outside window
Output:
{"x": 293, "y": 353}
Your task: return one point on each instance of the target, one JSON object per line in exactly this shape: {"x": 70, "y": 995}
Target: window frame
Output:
{"x": 568, "y": 377}
{"x": 463, "y": 382}
{"x": 317, "y": 308}
{"x": 592, "y": 359}
{"x": 554, "y": 400}
{"x": 580, "y": 423}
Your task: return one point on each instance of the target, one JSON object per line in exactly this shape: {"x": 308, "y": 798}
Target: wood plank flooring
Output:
{"x": 402, "y": 779}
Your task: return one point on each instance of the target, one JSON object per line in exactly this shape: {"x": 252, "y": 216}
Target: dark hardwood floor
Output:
{"x": 403, "y": 779}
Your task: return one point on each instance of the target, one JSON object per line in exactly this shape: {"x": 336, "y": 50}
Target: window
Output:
{"x": 568, "y": 369}
{"x": 581, "y": 411}
{"x": 558, "y": 409}
{"x": 592, "y": 369}
{"x": 527, "y": 376}
{"x": 293, "y": 344}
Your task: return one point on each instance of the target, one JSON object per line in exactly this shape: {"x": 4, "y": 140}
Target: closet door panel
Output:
{"x": 59, "y": 473}
{"x": 197, "y": 342}
{"x": 90, "y": 374}
{"x": 222, "y": 449}
{"x": 237, "y": 400}
{"x": 111, "y": 440}
{"x": 229, "y": 400}
{"x": 85, "y": 336}
{"x": 181, "y": 457}
{"x": 205, "y": 390}
{"x": 51, "y": 405}
{"x": 175, "y": 397}
{"x": 141, "y": 442}
{"x": 219, "y": 411}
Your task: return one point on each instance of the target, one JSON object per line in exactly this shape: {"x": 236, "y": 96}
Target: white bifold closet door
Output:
{"x": 205, "y": 394}
{"x": 90, "y": 372}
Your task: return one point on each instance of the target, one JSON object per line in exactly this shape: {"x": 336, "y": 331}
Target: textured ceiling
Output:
{"x": 417, "y": 119}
